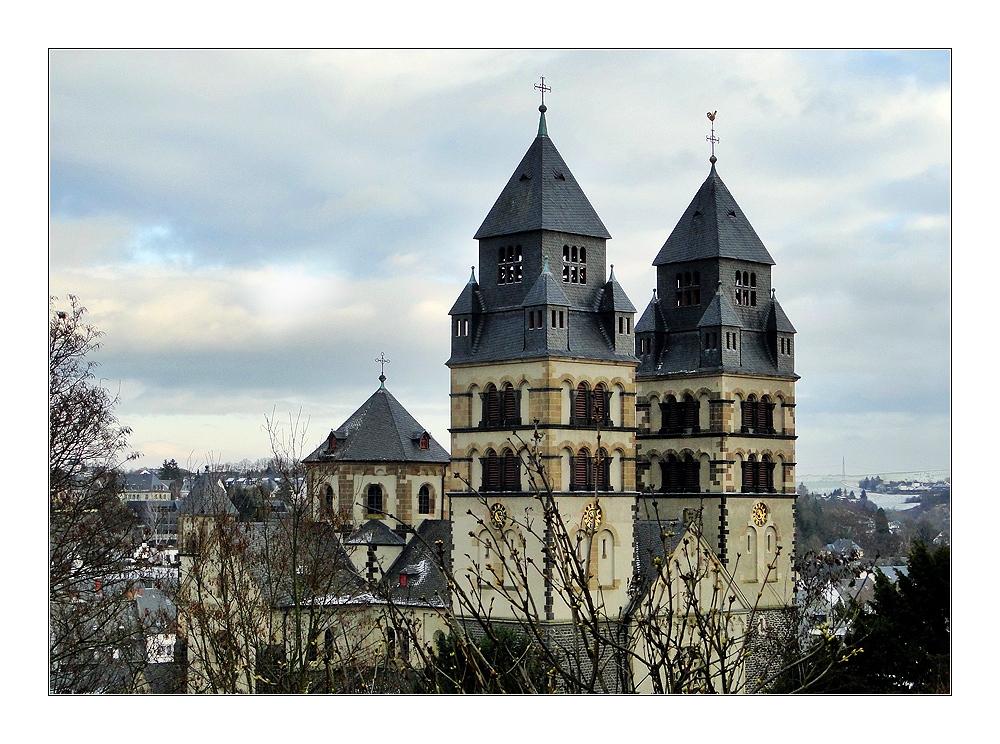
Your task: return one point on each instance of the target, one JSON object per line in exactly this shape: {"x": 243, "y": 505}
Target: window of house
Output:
{"x": 461, "y": 327}
{"x": 501, "y": 473}
{"x": 758, "y": 475}
{"x": 574, "y": 264}
{"x": 757, "y": 416}
{"x": 589, "y": 472}
{"x": 501, "y": 407}
{"x": 424, "y": 500}
{"x": 746, "y": 288}
{"x": 679, "y": 416}
{"x": 328, "y": 498}
{"x": 509, "y": 264}
{"x": 590, "y": 407}
{"x": 680, "y": 475}
{"x": 688, "y": 288}
{"x": 375, "y": 499}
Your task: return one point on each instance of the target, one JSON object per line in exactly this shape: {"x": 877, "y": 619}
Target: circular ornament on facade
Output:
{"x": 498, "y": 515}
{"x": 592, "y": 517}
{"x": 759, "y": 513}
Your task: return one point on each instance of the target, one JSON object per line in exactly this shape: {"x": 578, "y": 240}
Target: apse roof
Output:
{"x": 381, "y": 430}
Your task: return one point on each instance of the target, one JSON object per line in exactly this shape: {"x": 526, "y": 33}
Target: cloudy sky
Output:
{"x": 252, "y": 229}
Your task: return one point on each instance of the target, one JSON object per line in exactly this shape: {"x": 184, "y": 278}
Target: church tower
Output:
{"x": 543, "y": 351}
{"x": 716, "y": 393}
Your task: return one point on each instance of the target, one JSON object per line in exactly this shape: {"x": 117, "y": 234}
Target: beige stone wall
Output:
{"x": 721, "y": 450}
{"x": 400, "y": 484}
{"x": 544, "y": 386}
{"x": 720, "y": 397}
{"x": 608, "y": 549}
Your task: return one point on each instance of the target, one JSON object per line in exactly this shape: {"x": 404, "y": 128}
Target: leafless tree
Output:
{"x": 92, "y": 636}
{"x": 687, "y": 628}
{"x": 275, "y": 605}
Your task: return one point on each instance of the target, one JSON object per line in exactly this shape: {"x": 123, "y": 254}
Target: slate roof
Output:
{"x": 612, "y": 297}
{"x": 652, "y": 539}
{"x": 207, "y": 497}
{"x": 380, "y": 431}
{"x": 546, "y": 291}
{"x": 470, "y": 300}
{"x": 713, "y": 226}
{"x": 777, "y": 320}
{"x": 374, "y": 532}
{"x": 420, "y": 560}
{"x": 144, "y": 480}
{"x": 501, "y": 337}
{"x": 542, "y": 194}
{"x": 652, "y": 318}
{"x": 720, "y": 312}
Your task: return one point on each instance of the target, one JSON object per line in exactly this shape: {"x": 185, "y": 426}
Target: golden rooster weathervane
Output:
{"x": 712, "y": 138}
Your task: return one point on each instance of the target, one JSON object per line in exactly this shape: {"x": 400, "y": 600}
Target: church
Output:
{"x": 690, "y": 408}
{"x": 573, "y": 420}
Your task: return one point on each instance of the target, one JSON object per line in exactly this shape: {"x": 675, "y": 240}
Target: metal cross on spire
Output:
{"x": 543, "y": 88}
{"x": 383, "y": 361}
{"x": 711, "y": 137}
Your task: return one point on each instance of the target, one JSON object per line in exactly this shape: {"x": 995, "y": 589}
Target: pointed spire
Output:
{"x": 612, "y": 277}
{"x": 472, "y": 279}
{"x": 545, "y": 265}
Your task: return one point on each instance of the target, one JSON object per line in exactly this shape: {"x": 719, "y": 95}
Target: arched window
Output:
{"x": 680, "y": 475}
{"x": 328, "y": 499}
{"x": 590, "y": 407}
{"x": 511, "y": 473}
{"x": 757, "y": 415}
{"x": 510, "y": 405}
{"x": 501, "y": 473}
{"x": 771, "y": 547}
{"x": 679, "y": 417}
{"x": 509, "y": 264}
{"x": 424, "y": 500}
{"x": 491, "y": 471}
{"x": 375, "y": 499}
{"x": 692, "y": 475}
{"x": 574, "y": 264}
{"x": 601, "y": 405}
{"x": 605, "y": 558}
{"x": 602, "y": 470}
{"x": 491, "y": 407}
{"x": 580, "y": 400}
{"x": 751, "y": 559}
{"x": 758, "y": 475}
{"x": 688, "y": 289}
{"x": 580, "y": 467}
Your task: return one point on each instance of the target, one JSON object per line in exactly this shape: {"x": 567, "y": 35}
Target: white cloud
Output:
{"x": 258, "y": 226}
